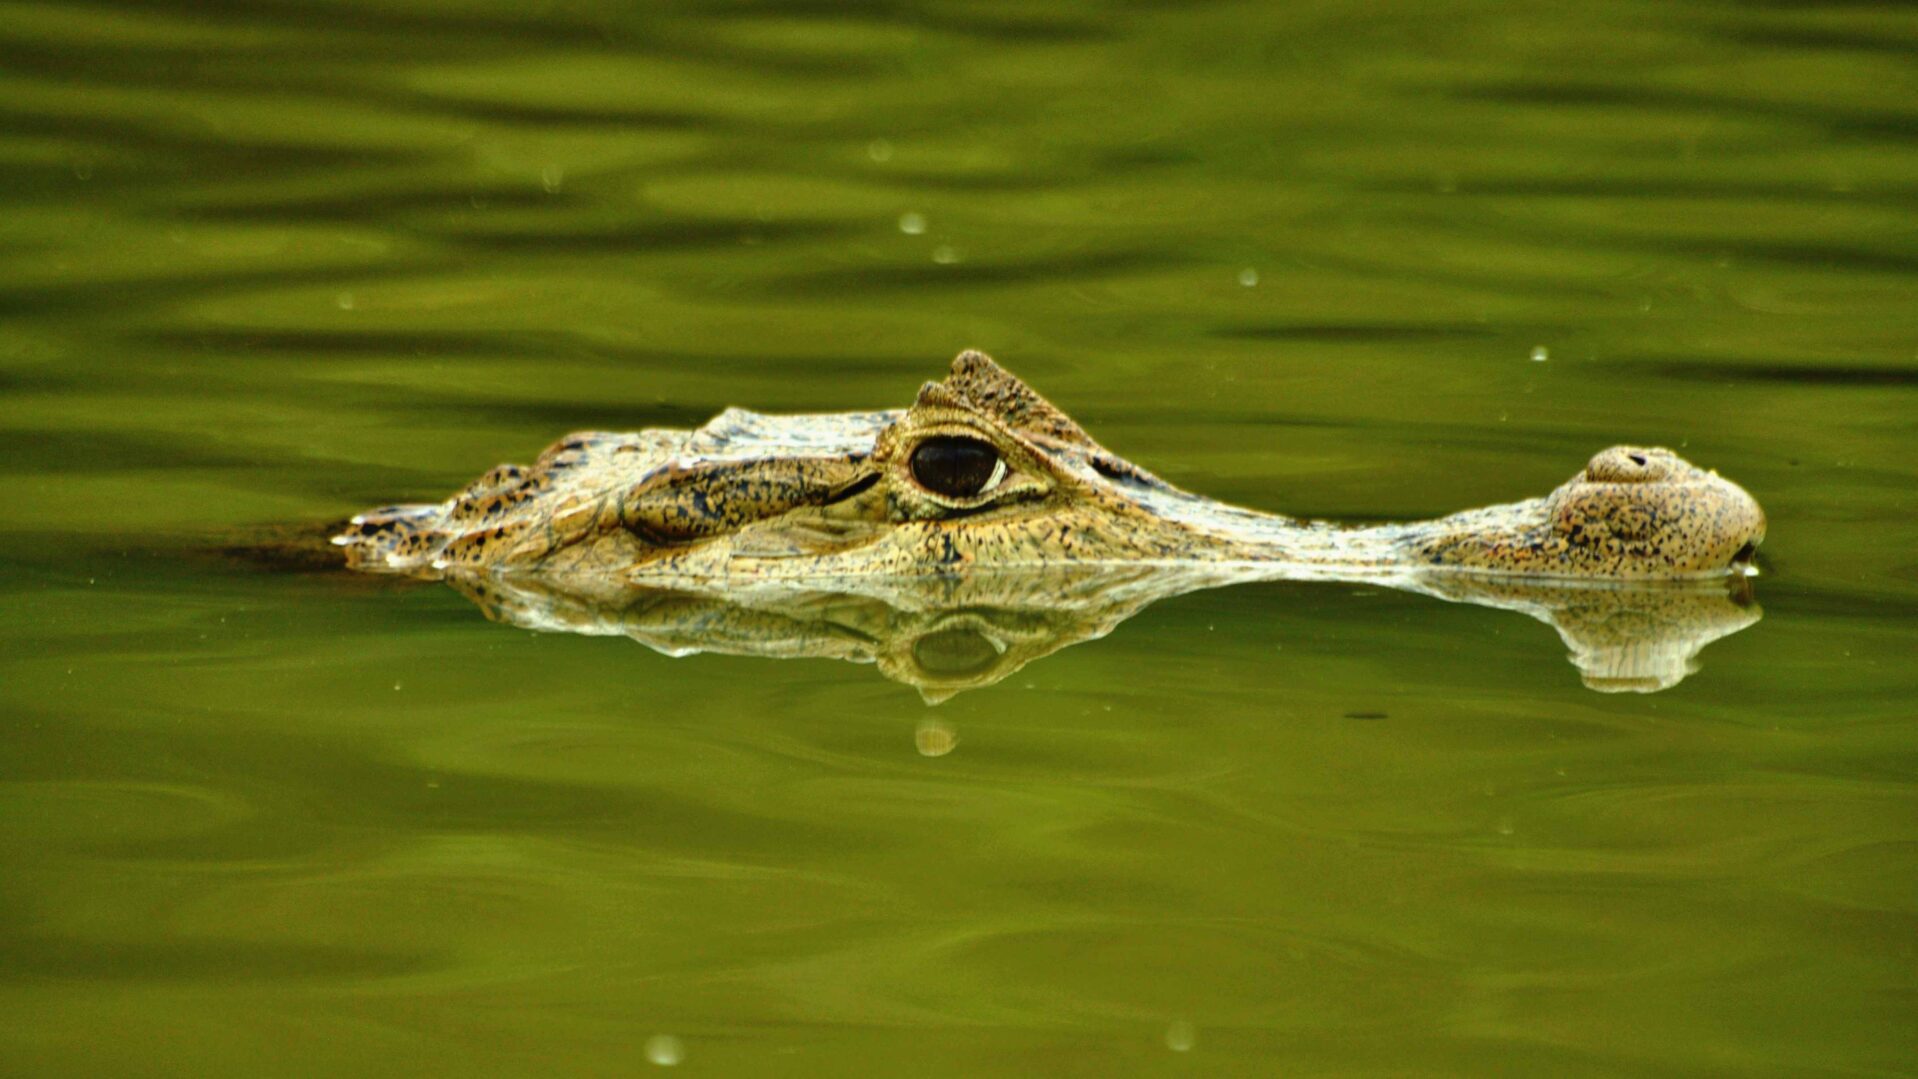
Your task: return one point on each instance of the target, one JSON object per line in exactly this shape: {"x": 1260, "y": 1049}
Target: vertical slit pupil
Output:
{"x": 954, "y": 466}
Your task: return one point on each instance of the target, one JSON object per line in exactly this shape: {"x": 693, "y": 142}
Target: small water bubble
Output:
{"x": 1506, "y": 827}
{"x": 935, "y": 739}
{"x": 1540, "y": 354}
{"x": 912, "y": 224}
{"x": 345, "y": 301}
{"x": 879, "y": 150}
{"x": 945, "y": 255}
{"x": 665, "y": 1050}
{"x": 1248, "y": 277}
{"x": 551, "y": 178}
{"x": 1180, "y": 1037}
{"x": 397, "y": 686}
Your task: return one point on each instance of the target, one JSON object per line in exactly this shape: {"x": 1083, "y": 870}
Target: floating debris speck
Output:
{"x": 1180, "y": 1037}
{"x": 665, "y": 1050}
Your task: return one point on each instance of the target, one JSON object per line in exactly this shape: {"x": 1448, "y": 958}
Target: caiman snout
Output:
{"x": 1645, "y": 511}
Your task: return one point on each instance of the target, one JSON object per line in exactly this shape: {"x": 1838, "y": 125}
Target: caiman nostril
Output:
{"x": 1628, "y": 464}
{"x": 1745, "y": 554}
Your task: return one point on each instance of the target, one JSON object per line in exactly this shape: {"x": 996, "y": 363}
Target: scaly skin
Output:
{"x": 832, "y": 498}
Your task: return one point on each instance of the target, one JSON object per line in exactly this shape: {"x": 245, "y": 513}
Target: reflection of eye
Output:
{"x": 957, "y": 467}
{"x": 953, "y": 652}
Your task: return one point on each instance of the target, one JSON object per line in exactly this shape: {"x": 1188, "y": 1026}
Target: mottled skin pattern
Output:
{"x": 831, "y": 498}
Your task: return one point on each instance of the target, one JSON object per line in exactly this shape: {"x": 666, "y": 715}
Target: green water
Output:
{"x": 266, "y": 264}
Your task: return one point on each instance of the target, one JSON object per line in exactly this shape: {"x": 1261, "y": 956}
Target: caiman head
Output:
{"x": 980, "y": 472}
{"x": 983, "y": 473}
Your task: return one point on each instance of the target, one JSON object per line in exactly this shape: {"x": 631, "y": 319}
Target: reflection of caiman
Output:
{"x": 982, "y": 492}
{"x": 947, "y": 633}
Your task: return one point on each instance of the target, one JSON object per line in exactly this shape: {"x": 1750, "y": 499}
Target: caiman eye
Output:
{"x": 957, "y": 467}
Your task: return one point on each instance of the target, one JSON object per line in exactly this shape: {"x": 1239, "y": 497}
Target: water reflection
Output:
{"x": 935, "y": 739}
{"x": 946, "y": 634}
{"x": 1638, "y": 639}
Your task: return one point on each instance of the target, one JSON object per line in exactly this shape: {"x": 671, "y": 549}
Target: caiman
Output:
{"x": 953, "y": 542}
{"x": 982, "y": 473}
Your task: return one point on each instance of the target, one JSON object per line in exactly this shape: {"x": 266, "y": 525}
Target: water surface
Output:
{"x": 263, "y": 265}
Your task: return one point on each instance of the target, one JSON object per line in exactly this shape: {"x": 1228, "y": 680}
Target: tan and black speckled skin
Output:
{"x": 829, "y": 498}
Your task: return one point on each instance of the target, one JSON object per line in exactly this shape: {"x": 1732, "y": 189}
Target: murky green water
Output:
{"x": 271, "y": 263}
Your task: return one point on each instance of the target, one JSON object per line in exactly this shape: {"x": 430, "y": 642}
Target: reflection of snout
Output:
{"x": 1647, "y": 642}
{"x": 1624, "y": 637}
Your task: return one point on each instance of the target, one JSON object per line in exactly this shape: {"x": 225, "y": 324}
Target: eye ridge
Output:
{"x": 957, "y": 466}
